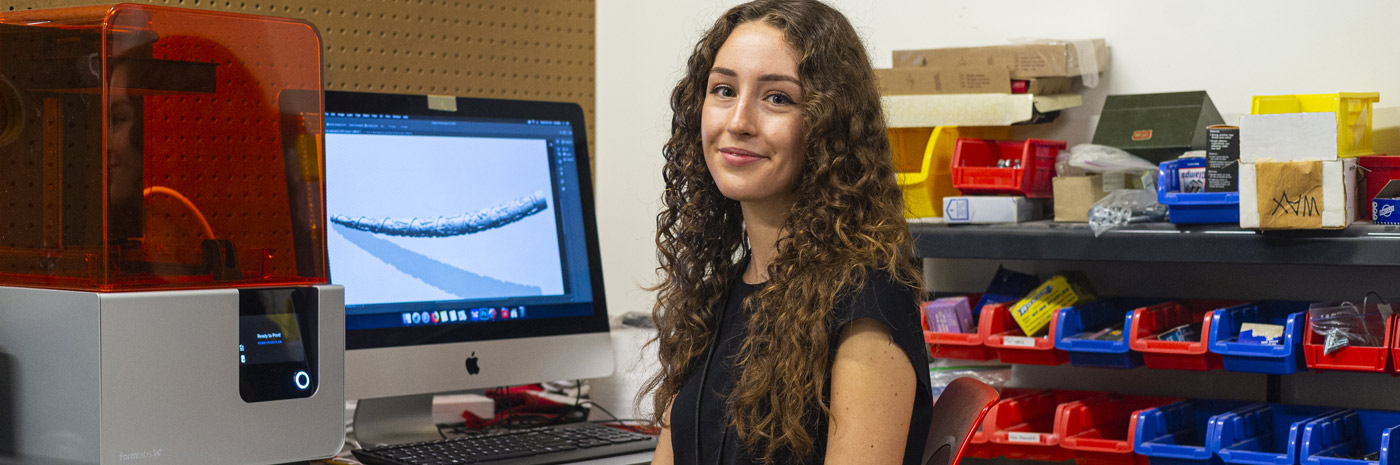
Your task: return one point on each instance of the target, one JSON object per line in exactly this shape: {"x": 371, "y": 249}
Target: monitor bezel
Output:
{"x": 469, "y": 107}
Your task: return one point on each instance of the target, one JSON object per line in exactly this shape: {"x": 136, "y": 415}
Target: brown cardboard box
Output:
{"x": 923, "y": 80}
{"x": 1024, "y": 61}
{"x": 1074, "y": 195}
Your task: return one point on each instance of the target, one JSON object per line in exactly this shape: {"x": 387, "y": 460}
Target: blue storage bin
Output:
{"x": 1339, "y": 438}
{"x": 1175, "y": 434}
{"x": 1263, "y": 434}
{"x": 1257, "y": 358}
{"x": 1196, "y": 207}
{"x": 1096, "y": 315}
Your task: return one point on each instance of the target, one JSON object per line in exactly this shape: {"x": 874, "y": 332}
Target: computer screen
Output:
{"x": 463, "y": 232}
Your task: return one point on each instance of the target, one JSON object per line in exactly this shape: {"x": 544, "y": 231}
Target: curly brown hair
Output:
{"x": 848, "y": 219}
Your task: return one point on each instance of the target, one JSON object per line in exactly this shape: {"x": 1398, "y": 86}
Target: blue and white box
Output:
{"x": 990, "y": 209}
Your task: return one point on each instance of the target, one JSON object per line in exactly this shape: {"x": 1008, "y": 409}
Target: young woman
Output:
{"x": 789, "y": 326}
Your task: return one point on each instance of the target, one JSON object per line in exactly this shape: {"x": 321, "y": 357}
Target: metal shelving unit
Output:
{"x": 1360, "y": 245}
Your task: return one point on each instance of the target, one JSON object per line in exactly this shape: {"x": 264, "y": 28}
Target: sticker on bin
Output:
{"x": 1033, "y": 438}
{"x": 1018, "y": 341}
{"x": 957, "y": 210}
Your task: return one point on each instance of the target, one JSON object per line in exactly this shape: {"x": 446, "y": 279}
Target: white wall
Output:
{"x": 1233, "y": 49}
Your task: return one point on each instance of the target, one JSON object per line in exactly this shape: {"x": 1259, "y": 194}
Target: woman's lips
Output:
{"x": 740, "y": 157}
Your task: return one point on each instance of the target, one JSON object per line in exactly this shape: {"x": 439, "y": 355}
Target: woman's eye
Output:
{"x": 722, "y": 91}
{"x": 780, "y": 99}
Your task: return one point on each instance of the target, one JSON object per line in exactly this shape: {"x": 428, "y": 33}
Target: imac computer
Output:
{"x": 463, "y": 232}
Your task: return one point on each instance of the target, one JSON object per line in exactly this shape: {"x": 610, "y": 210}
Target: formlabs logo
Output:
{"x": 150, "y": 454}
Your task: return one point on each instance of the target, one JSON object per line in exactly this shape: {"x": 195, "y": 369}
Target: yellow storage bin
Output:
{"x": 1353, "y": 111}
{"x": 923, "y": 158}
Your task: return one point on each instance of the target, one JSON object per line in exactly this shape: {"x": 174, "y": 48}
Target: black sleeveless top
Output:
{"x": 882, "y": 300}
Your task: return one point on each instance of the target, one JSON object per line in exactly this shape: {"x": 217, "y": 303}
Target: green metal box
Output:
{"x": 1157, "y": 127}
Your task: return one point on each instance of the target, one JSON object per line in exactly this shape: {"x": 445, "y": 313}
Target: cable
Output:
{"x": 204, "y": 223}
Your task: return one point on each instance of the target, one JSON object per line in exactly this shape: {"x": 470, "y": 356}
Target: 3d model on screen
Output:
{"x": 447, "y": 226}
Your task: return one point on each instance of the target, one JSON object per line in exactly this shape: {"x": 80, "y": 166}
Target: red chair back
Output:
{"x": 955, "y": 416}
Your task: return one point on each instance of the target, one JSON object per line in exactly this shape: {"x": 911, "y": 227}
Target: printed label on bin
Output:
{"x": 1023, "y": 437}
{"x": 1142, "y": 134}
{"x": 1018, "y": 341}
{"x": 958, "y": 211}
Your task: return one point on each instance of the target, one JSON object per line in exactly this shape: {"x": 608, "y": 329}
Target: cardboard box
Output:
{"x": 1074, "y": 195}
{"x": 925, "y": 111}
{"x": 1158, "y": 127}
{"x": 1024, "y": 61}
{"x": 991, "y": 209}
{"x": 1042, "y": 86}
{"x": 949, "y": 315}
{"x": 1384, "y": 206}
{"x": 1033, "y": 312}
{"x": 1309, "y": 194}
{"x": 1288, "y": 137}
{"x": 916, "y": 81}
{"x": 1222, "y": 158}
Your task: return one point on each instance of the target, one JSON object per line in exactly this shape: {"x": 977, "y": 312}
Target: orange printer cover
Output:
{"x": 154, "y": 148}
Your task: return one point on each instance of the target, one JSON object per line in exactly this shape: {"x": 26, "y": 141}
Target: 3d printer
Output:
{"x": 163, "y": 284}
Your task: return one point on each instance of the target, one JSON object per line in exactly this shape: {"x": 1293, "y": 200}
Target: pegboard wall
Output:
{"x": 536, "y": 50}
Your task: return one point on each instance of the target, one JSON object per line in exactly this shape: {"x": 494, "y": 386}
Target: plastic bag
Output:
{"x": 1344, "y": 324}
{"x": 1104, "y": 159}
{"x": 1123, "y": 207}
{"x": 994, "y": 375}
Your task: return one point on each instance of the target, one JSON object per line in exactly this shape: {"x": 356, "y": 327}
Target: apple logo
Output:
{"x": 472, "y": 367}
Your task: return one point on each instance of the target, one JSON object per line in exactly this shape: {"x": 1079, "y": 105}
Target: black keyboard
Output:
{"x": 535, "y": 446}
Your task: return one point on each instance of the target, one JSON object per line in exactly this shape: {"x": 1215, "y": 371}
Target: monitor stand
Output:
{"x": 395, "y": 420}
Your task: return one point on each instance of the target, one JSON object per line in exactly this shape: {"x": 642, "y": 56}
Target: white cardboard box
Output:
{"x": 1288, "y": 137}
{"x": 1338, "y": 194}
{"x": 988, "y": 209}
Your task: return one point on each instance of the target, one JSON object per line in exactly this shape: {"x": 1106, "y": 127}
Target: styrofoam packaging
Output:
{"x": 1338, "y": 194}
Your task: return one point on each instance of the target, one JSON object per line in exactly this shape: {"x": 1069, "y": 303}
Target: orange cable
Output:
{"x": 208, "y": 231}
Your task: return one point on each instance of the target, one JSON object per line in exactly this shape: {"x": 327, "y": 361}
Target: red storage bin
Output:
{"x": 1373, "y": 359}
{"x": 975, "y": 169}
{"x": 977, "y": 444}
{"x": 1148, "y": 322}
{"x": 1001, "y": 333}
{"x": 963, "y": 346}
{"x": 1100, "y": 431}
{"x": 1379, "y": 169}
{"x": 1023, "y": 427}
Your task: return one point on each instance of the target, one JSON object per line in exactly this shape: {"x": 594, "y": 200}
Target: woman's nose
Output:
{"x": 741, "y": 119}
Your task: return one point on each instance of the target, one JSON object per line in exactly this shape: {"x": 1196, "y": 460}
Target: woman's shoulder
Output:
{"x": 880, "y": 296}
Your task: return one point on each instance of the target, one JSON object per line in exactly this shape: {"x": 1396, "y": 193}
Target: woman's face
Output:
{"x": 751, "y": 123}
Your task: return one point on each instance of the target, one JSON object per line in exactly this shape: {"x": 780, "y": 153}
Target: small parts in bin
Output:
{"x": 1008, "y": 163}
{"x": 1190, "y": 332}
{"x": 1345, "y": 324}
{"x": 1111, "y": 333}
{"x": 1371, "y": 457}
{"x": 1261, "y": 334}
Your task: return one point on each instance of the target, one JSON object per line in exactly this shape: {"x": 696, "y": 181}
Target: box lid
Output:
{"x": 1156, "y": 126}
{"x": 1390, "y": 191}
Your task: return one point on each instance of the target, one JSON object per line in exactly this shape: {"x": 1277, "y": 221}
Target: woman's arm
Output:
{"x": 663, "y": 455}
{"x": 872, "y": 397}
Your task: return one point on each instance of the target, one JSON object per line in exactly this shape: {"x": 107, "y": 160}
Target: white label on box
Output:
{"x": 1023, "y": 437}
{"x": 1018, "y": 341}
{"x": 1288, "y": 137}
